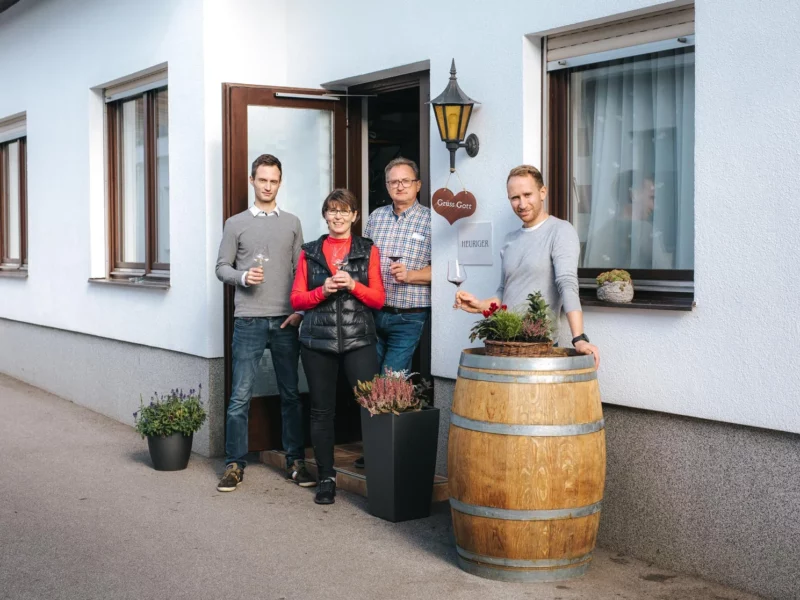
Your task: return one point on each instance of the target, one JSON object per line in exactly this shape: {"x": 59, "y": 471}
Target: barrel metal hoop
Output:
{"x": 508, "y": 363}
{"x": 515, "y": 562}
{"x": 522, "y": 576}
{"x": 525, "y": 515}
{"x": 526, "y": 430}
{"x": 467, "y": 373}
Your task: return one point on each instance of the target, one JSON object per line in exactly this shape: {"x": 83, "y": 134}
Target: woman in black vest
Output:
{"x": 338, "y": 283}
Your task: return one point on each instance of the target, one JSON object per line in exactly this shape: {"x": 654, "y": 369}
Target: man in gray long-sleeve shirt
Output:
{"x": 258, "y": 254}
{"x": 540, "y": 256}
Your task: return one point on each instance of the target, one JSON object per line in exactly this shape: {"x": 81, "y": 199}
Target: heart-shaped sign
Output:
{"x": 453, "y": 207}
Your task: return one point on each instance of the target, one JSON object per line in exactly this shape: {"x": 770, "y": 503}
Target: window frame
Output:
{"x": 118, "y": 269}
{"x": 9, "y": 265}
{"x": 655, "y": 283}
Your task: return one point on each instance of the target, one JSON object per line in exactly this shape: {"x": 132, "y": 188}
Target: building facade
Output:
{"x": 113, "y": 142}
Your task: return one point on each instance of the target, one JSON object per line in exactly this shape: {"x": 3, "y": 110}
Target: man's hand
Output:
{"x": 343, "y": 281}
{"x": 255, "y": 276}
{"x": 329, "y": 287}
{"x": 467, "y": 302}
{"x": 294, "y": 320}
{"x": 587, "y": 348}
{"x": 400, "y": 272}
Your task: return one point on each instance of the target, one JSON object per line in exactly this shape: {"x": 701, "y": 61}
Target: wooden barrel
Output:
{"x": 526, "y": 465}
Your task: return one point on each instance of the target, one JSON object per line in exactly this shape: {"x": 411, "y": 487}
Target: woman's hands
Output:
{"x": 340, "y": 281}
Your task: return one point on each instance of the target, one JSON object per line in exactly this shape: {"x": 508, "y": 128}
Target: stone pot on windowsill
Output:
{"x": 615, "y": 286}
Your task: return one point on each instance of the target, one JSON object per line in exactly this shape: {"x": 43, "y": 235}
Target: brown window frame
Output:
{"x": 150, "y": 269}
{"x": 6, "y": 263}
{"x": 559, "y": 175}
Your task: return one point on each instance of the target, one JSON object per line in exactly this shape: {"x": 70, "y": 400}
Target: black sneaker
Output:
{"x": 359, "y": 462}
{"x": 297, "y": 473}
{"x": 326, "y": 494}
{"x": 231, "y": 479}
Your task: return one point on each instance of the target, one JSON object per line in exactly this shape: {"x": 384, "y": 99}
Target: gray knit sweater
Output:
{"x": 242, "y": 233}
{"x": 543, "y": 259}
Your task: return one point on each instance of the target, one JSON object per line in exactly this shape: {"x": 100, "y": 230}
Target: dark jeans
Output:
{"x": 322, "y": 370}
{"x": 251, "y": 335}
{"x": 398, "y": 337}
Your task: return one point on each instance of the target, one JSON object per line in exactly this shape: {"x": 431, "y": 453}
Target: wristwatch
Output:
{"x": 581, "y": 337}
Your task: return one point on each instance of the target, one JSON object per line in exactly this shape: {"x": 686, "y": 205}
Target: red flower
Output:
{"x": 494, "y": 306}
{"x": 504, "y": 307}
{"x": 486, "y": 313}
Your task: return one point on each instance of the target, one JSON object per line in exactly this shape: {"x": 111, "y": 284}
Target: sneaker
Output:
{"x": 298, "y": 474}
{"x": 359, "y": 462}
{"x": 326, "y": 494}
{"x": 231, "y": 479}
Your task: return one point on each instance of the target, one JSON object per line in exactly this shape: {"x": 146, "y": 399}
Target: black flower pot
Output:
{"x": 170, "y": 453}
{"x": 400, "y": 457}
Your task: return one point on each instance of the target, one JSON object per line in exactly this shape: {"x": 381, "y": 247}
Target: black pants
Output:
{"x": 322, "y": 370}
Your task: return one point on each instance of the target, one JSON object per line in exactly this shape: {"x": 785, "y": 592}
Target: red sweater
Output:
{"x": 372, "y": 295}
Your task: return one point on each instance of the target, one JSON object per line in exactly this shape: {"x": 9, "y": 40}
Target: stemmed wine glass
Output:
{"x": 340, "y": 262}
{"x": 456, "y": 274}
{"x": 261, "y": 255}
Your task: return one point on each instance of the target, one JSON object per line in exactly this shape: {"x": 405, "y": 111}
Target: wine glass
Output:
{"x": 261, "y": 255}
{"x": 340, "y": 262}
{"x": 456, "y": 275}
{"x": 396, "y": 257}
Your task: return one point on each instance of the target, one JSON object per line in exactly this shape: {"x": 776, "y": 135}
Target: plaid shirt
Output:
{"x": 407, "y": 235}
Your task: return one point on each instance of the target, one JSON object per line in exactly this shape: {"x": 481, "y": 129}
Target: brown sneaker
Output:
{"x": 231, "y": 479}
{"x": 298, "y": 474}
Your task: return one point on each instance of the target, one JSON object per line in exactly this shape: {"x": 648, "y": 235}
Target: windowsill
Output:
{"x": 138, "y": 283}
{"x": 643, "y": 300}
{"x": 14, "y": 273}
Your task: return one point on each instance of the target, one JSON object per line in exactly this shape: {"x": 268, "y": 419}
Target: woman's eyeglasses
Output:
{"x": 334, "y": 212}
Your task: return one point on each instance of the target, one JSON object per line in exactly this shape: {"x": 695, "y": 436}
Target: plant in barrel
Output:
{"x": 526, "y": 331}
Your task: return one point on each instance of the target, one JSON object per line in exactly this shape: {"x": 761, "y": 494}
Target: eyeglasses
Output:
{"x": 333, "y": 212}
{"x": 397, "y": 182}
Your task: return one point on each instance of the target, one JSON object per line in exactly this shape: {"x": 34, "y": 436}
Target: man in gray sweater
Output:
{"x": 258, "y": 255}
{"x": 540, "y": 256}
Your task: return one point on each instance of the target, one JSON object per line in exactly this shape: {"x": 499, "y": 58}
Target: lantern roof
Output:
{"x": 453, "y": 94}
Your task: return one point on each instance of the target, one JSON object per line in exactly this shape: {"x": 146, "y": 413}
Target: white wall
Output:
{"x": 722, "y": 361}
{"x": 51, "y": 54}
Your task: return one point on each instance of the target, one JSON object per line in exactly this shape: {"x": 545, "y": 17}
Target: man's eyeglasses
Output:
{"x": 398, "y": 182}
{"x": 333, "y": 212}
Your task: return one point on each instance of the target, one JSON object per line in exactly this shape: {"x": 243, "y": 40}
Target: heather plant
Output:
{"x": 500, "y": 324}
{"x": 392, "y": 392}
{"x": 175, "y": 412}
{"x": 613, "y": 275}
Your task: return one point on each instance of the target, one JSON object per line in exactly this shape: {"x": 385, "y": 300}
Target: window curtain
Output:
{"x": 635, "y": 120}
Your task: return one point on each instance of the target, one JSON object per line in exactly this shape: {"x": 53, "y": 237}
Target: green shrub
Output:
{"x": 175, "y": 412}
{"x": 502, "y": 325}
{"x": 614, "y": 275}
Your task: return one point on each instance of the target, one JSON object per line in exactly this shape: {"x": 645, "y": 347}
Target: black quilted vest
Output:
{"x": 339, "y": 323}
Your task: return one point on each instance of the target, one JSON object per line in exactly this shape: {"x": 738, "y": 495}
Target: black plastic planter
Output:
{"x": 170, "y": 453}
{"x": 400, "y": 456}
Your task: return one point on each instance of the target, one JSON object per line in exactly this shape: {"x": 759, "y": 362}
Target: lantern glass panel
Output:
{"x": 439, "y": 111}
{"x": 465, "y": 122}
{"x": 453, "y": 117}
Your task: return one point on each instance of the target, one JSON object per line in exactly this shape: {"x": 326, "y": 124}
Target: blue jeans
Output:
{"x": 398, "y": 337}
{"x": 251, "y": 335}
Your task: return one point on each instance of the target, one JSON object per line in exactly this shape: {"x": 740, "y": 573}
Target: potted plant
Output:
{"x": 169, "y": 423}
{"x": 401, "y": 436}
{"x": 615, "y": 286}
{"x": 526, "y": 332}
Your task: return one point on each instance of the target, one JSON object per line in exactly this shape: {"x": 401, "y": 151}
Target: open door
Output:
{"x": 306, "y": 129}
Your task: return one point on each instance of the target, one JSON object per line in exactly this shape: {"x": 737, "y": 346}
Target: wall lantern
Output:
{"x": 453, "y": 108}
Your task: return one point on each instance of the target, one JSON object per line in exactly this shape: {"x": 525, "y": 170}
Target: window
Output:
{"x": 137, "y": 123}
{"x": 13, "y": 195}
{"x": 621, "y": 146}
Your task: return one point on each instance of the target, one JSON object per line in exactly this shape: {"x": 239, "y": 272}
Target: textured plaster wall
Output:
{"x": 108, "y": 376}
{"x": 52, "y": 53}
{"x": 723, "y": 361}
